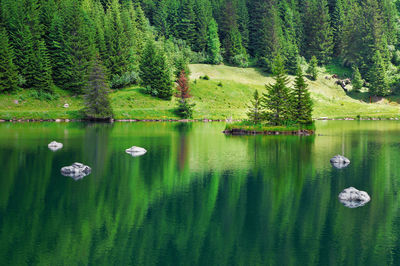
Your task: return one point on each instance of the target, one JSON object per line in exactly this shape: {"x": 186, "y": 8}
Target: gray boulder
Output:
{"x": 136, "y": 151}
{"x": 54, "y": 145}
{"x": 76, "y": 171}
{"x": 340, "y": 161}
{"x": 353, "y": 198}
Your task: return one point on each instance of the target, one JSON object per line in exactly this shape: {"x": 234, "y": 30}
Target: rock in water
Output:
{"x": 340, "y": 161}
{"x": 136, "y": 151}
{"x": 55, "y": 146}
{"x": 353, "y": 198}
{"x": 76, "y": 171}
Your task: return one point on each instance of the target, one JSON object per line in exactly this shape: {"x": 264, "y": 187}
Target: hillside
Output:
{"x": 224, "y": 95}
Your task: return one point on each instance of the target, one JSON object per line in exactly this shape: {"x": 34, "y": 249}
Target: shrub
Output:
{"x": 240, "y": 60}
{"x": 205, "y": 77}
{"x": 124, "y": 80}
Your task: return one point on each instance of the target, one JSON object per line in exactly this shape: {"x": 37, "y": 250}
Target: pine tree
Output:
{"x": 117, "y": 42}
{"x": 379, "y": 85}
{"x": 213, "y": 44}
{"x": 97, "y": 102}
{"x": 313, "y": 68}
{"x": 301, "y": 100}
{"x": 357, "y": 81}
{"x": 8, "y": 71}
{"x": 186, "y": 27}
{"x": 184, "y": 108}
{"x": 154, "y": 72}
{"x": 318, "y": 31}
{"x": 277, "y": 99}
{"x": 255, "y": 113}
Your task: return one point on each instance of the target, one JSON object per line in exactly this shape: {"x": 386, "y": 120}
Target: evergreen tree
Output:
{"x": 255, "y": 113}
{"x": 301, "y": 100}
{"x": 184, "y": 108}
{"x": 313, "y": 68}
{"x": 97, "y": 102}
{"x": 186, "y": 27}
{"x": 8, "y": 71}
{"x": 317, "y": 30}
{"x": 117, "y": 42}
{"x": 357, "y": 81}
{"x": 213, "y": 44}
{"x": 379, "y": 84}
{"x": 277, "y": 99}
{"x": 154, "y": 72}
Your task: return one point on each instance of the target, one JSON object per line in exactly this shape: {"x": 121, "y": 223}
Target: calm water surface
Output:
{"x": 198, "y": 197}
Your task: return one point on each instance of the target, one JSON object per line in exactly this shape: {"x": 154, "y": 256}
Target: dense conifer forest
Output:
{"x": 48, "y": 44}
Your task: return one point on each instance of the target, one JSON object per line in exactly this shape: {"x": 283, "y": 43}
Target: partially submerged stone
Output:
{"x": 76, "y": 171}
{"x": 55, "y": 146}
{"x": 136, "y": 151}
{"x": 340, "y": 161}
{"x": 353, "y": 198}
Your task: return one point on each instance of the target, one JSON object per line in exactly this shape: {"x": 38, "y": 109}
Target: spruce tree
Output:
{"x": 318, "y": 31}
{"x": 154, "y": 71}
{"x": 97, "y": 102}
{"x": 184, "y": 108}
{"x": 255, "y": 113}
{"x": 357, "y": 81}
{"x": 276, "y": 100}
{"x": 8, "y": 71}
{"x": 313, "y": 68}
{"x": 117, "y": 42}
{"x": 213, "y": 44}
{"x": 301, "y": 100}
{"x": 379, "y": 84}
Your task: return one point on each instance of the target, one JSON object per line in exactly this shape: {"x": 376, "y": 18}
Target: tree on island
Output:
{"x": 8, "y": 70}
{"x": 277, "y": 99}
{"x": 97, "y": 102}
{"x": 313, "y": 68}
{"x": 184, "y": 108}
{"x": 255, "y": 113}
{"x": 154, "y": 72}
{"x": 357, "y": 81}
{"x": 301, "y": 100}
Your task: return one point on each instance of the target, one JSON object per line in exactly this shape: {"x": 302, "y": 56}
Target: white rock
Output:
{"x": 340, "y": 161}
{"x": 353, "y": 198}
{"x": 55, "y": 146}
{"x": 136, "y": 151}
{"x": 76, "y": 171}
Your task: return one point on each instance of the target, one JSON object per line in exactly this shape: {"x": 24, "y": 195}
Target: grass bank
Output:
{"x": 224, "y": 96}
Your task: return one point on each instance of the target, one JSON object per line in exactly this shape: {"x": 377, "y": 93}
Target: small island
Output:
{"x": 281, "y": 110}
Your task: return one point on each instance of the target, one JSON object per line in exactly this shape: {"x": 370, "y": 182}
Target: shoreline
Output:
{"x": 242, "y": 132}
{"x": 59, "y": 120}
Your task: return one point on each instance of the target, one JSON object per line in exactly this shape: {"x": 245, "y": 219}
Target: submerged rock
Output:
{"x": 55, "y": 146}
{"x": 76, "y": 171}
{"x": 340, "y": 161}
{"x": 353, "y": 198}
{"x": 136, "y": 151}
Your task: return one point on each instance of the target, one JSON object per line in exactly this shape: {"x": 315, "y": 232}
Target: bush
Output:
{"x": 240, "y": 60}
{"x": 205, "y": 77}
{"x": 396, "y": 58}
{"x": 150, "y": 91}
{"x": 124, "y": 80}
{"x": 43, "y": 95}
{"x": 220, "y": 84}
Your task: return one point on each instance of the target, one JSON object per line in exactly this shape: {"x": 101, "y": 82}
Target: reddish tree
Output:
{"x": 183, "y": 90}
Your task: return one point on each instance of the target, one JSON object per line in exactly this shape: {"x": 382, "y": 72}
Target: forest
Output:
{"x": 46, "y": 45}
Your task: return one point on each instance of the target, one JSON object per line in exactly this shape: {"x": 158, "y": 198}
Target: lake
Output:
{"x": 198, "y": 197}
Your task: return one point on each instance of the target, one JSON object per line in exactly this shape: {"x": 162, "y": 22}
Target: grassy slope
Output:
{"x": 212, "y": 101}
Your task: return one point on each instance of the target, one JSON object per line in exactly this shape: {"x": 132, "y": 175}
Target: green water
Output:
{"x": 198, "y": 197}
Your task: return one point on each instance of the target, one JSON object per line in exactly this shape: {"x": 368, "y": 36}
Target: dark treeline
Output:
{"x": 52, "y": 42}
